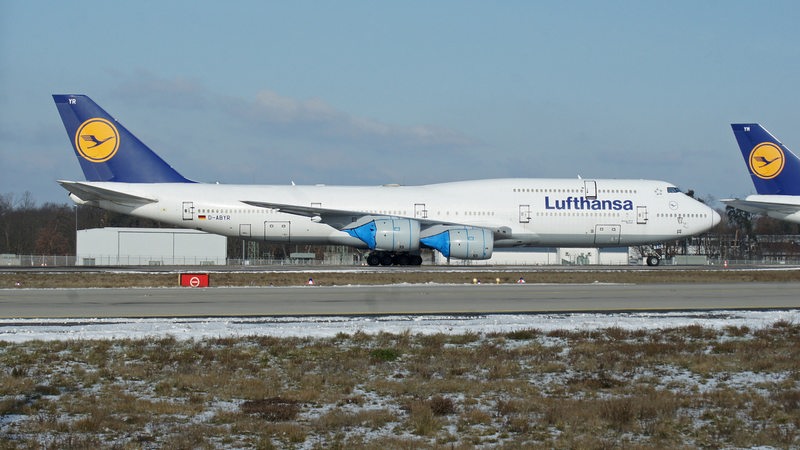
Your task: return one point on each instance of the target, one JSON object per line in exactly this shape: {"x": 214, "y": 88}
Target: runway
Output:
{"x": 392, "y": 299}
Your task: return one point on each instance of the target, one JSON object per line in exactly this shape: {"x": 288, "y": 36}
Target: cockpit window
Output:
{"x": 673, "y": 189}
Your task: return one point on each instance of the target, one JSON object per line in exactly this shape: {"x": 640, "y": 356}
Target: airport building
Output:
{"x": 149, "y": 246}
{"x": 548, "y": 256}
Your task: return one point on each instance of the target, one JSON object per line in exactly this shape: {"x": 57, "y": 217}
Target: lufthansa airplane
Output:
{"x": 464, "y": 219}
{"x": 775, "y": 171}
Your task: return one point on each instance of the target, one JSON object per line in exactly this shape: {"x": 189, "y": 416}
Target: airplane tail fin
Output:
{"x": 775, "y": 170}
{"x": 106, "y": 150}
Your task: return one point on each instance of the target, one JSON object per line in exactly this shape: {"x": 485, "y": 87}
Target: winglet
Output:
{"x": 106, "y": 150}
{"x": 775, "y": 170}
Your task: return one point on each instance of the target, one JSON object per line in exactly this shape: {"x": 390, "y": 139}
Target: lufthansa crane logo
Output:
{"x": 766, "y": 160}
{"x": 97, "y": 140}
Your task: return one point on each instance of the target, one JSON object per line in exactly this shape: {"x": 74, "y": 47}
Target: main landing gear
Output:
{"x": 396, "y": 259}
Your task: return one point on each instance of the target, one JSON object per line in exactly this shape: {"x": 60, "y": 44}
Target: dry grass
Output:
{"x": 679, "y": 388}
{"x": 273, "y": 409}
{"x": 73, "y": 279}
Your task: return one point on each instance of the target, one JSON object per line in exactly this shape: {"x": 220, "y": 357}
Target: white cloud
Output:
{"x": 311, "y": 118}
{"x": 316, "y": 117}
{"x": 308, "y": 140}
{"x": 276, "y": 108}
{"x": 147, "y": 88}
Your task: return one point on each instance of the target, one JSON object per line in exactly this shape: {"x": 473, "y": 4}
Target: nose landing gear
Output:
{"x": 653, "y": 260}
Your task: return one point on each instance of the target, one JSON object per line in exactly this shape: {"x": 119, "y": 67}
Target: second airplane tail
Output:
{"x": 775, "y": 170}
{"x": 106, "y": 150}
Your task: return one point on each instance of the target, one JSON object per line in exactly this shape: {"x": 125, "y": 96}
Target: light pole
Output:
{"x": 76, "y": 234}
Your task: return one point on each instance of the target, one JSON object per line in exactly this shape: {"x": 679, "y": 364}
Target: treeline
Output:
{"x": 750, "y": 225}
{"x": 49, "y": 229}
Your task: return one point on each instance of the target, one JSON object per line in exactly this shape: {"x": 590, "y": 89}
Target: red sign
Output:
{"x": 194, "y": 279}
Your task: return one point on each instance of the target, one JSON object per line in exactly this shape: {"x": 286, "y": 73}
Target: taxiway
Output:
{"x": 393, "y": 299}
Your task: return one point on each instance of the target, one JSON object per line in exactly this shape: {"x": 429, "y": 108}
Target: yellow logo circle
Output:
{"x": 766, "y": 160}
{"x": 97, "y": 140}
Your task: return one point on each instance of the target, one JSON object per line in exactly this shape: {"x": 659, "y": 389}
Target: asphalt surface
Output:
{"x": 392, "y": 299}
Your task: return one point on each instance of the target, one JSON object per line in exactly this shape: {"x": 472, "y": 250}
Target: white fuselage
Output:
{"x": 530, "y": 212}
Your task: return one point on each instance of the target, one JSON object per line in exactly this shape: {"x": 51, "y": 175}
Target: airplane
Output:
{"x": 775, "y": 171}
{"x": 461, "y": 219}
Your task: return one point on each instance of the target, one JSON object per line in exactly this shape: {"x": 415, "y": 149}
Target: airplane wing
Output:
{"x": 334, "y": 217}
{"x": 88, "y": 193}
{"x": 762, "y": 207}
{"x": 340, "y": 219}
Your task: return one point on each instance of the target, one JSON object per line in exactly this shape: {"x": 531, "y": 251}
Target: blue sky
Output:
{"x": 408, "y": 92}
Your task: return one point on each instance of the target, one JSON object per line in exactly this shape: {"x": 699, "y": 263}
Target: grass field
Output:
{"x": 686, "y": 387}
{"x": 56, "y": 279}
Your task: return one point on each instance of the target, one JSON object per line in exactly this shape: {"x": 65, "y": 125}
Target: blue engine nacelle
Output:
{"x": 460, "y": 241}
{"x": 387, "y": 234}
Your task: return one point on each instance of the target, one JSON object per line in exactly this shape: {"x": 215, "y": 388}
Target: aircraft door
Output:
{"x": 590, "y": 189}
{"x": 277, "y": 231}
{"x": 420, "y": 211}
{"x": 641, "y": 214}
{"x": 524, "y": 213}
{"x": 244, "y": 230}
{"x": 188, "y": 210}
{"x": 607, "y": 234}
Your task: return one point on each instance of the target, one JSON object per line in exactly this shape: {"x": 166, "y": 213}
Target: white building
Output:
{"x": 548, "y": 256}
{"x": 149, "y": 246}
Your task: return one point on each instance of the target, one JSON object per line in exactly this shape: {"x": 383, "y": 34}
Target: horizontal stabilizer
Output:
{"x": 90, "y": 193}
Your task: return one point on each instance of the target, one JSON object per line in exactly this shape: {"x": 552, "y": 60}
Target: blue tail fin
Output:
{"x": 774, "y": 168}
{"x": 106, "y": 150}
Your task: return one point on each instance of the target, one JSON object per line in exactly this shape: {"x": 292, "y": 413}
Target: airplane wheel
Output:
{"x": 386, "y": 260}
{"x": 373, "y": 260}
{"x": 653, "y": 260}
{"x": 402, "y": 260}
{"x": 416, "y": 260}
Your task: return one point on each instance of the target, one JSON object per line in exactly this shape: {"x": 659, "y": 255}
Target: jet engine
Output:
{"x": 460, "y": 241}
{"x": 387, "y": 234}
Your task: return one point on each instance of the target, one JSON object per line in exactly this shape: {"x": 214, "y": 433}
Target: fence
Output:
{"x": 70, "y": 260}
{"x": 144, "y": 260}
{"x": 37, "y": 260}
{"x": 114, "y": 260}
